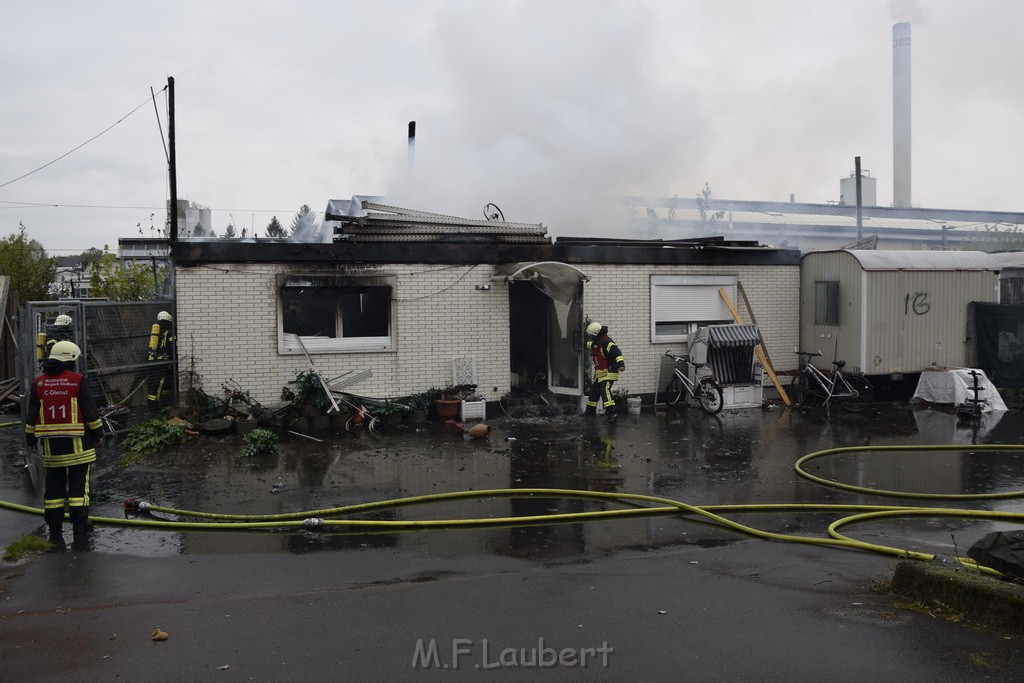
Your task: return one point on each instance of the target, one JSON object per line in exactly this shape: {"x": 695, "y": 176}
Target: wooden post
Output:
{"x": 757, "y": 350}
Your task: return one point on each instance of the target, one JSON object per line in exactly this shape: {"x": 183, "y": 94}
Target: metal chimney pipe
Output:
{"x": 412, "y": 152}
{"x": 901, "y": 114}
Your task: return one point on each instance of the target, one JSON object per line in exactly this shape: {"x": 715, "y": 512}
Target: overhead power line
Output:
{"x": 50, "y": 163}
{"x": 40, "y": 205}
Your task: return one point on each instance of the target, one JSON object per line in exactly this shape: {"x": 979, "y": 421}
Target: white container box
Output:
{"x": 473, "y": 410}
{"x": 742, "y": 396}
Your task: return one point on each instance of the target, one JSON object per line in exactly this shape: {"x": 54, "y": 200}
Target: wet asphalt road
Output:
{"x": 656, "y": 598}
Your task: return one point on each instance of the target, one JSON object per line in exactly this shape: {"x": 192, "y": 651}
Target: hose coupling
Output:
{"x": 136, "y": 504}
{"x": 313, "y": 523}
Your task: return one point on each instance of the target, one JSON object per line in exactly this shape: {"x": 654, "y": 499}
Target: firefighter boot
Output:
{"x": 54, "y": 524}
{"x": 590, "y": 411}
{"x": 81, "y": 528}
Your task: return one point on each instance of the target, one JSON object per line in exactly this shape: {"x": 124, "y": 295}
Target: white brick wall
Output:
{"x": 619, "y": 296}
{"x": 227, "y": 323}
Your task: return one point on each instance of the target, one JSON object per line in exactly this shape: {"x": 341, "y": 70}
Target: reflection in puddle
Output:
{"x": 736, "y": 457}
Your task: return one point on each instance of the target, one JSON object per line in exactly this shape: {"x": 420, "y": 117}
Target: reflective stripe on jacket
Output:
{"x": 62, "y": 414}
{"x": 606, "y": 357}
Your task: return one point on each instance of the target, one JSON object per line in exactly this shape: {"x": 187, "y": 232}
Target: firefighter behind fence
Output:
{"x": 608, "y": 363}
{"x": 62, "y": 329}
{"x": 161, "y": 354}
{"x": 63, "y": 419}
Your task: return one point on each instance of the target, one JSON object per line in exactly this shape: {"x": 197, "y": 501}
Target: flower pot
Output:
{"x": 394, "y": 418}
{"x": 416, "y": 416}
{"x": 447, "y": 409}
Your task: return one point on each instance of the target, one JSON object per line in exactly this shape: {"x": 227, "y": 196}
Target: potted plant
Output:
{"x": 446, "y": 402}
{"x": 473, "y": 407}
{"x": 418, "y": 405}
{"x": 389, "y": 412}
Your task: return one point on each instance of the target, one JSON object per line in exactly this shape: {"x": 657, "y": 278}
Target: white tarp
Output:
{"x": 955, "y": 386}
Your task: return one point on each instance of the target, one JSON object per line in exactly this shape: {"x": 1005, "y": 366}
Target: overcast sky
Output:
{"x": 546, "y": 108}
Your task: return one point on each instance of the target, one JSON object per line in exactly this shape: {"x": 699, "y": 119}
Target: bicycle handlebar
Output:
{"x": 806, "y": 353}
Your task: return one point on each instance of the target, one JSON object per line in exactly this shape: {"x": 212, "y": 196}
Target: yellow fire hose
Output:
{"x": 634, "y": 505}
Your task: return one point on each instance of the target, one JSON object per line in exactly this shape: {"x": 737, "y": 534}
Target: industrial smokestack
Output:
{"x": 412, "y": 153}
{"x": 901, "y": 114}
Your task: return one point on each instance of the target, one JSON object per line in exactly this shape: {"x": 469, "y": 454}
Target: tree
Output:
{"x": 229, "y": 231}
{"x": 119, "y": 281}
{"x": 304, "y": 223}
{"x": 90, "y": 256}
{"x": 31, "y": 270}
{"x": 198, "y": 231}
{"x": 708, "y": 218}
{"x": 275, "y": 229}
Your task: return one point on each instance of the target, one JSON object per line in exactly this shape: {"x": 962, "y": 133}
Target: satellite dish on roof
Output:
{"x": 493, "y": 213}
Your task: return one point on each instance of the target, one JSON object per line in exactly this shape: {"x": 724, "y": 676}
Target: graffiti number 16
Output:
{"x": 919, "y": 304}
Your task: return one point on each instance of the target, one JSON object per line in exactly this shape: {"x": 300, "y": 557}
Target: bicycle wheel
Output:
{"x": 861, "y": 394}
{"x": 674, "y": 391}
{"x": 799, "y": 390}
{"x": 709, "y": 395}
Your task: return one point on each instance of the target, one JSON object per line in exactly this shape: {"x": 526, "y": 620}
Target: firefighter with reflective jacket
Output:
{"x": 161, "y": 353}
{"x": 63, "y": 419}
{"x": 608, "y": 363}
{"x": 61, "y": 330}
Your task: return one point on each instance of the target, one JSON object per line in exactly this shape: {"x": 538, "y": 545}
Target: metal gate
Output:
{"x": 114, "y": 338}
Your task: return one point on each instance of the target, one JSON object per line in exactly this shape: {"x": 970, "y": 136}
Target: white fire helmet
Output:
{"x": 65, "y": 351}
{"x": 163, "y": 315}
{"x": 62, "y": 319}
{"x": 594, "y": 328}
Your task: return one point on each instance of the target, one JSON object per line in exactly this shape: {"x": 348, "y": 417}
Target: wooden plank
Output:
{"x": 750, "y": 312}
{"x": 7, "y": 391}
{"x": 757, "y": 349}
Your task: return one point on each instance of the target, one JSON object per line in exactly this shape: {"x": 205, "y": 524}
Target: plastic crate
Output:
{"x": 473, "y": 410}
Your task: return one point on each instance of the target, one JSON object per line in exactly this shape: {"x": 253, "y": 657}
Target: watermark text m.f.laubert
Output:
{"x": 482, "y": 654}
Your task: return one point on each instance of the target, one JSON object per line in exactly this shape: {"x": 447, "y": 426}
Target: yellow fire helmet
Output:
{"x": 163, "y": 315}
{"x": 65, "y": 351}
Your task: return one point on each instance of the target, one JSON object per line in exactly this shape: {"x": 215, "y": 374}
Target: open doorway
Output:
{"x": 545, "y": 343}
{"x": 545, "y": 327}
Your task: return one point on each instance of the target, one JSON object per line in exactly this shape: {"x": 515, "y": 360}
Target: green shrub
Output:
{"x": 150, "y": 437}
{"x": 259, "y": 441}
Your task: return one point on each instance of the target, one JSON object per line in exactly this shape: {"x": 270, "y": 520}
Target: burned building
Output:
{"x": 416, "y": 297}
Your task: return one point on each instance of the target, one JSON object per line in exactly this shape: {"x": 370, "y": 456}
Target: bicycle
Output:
{"x": 852, "y": 392}
{"x": 705, "y": 389}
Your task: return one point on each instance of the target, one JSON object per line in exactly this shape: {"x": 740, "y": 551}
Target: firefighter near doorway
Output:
{"x": 160, "y": 376}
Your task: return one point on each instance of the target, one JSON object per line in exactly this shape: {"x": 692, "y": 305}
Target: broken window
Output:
{"x": 681, "y": 303}
{"x": 332, "y": 314}
{"x": 826, "y": 303}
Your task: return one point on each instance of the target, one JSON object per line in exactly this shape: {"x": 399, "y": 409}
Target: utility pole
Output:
{"x": 860, "y": 218}
{"x": 173, "y": 164}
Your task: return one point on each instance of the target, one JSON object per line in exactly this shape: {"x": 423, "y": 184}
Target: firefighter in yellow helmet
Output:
{"x": 62, "y": 329}
{"x": 63, "y": 418}
{"x": 608, "y": 364}
{"x": 160, "y": 377}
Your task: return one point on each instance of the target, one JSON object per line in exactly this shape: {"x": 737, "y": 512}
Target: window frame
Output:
{"x": 703, "y": 294}
{"x": 826, "y": 302}
{"x": 288, "y": 344}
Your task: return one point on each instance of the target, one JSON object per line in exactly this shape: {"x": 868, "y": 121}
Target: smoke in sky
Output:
{"x": 552, "y": 116}
{"x": 907, "y": 10}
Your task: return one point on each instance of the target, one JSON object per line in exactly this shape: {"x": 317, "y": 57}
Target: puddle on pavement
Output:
{"x": 737, "y": 457}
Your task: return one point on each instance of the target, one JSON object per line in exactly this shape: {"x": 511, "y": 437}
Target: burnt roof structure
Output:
{"x": 367, "y": 232}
